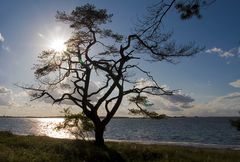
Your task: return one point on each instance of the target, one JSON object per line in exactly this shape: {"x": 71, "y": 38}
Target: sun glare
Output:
{"x": 58, "y": 45}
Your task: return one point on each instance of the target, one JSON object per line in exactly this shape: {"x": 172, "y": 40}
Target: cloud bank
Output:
{"x": 235, "y": 83}
{"x": 227, "y": 105}
{"x": 5, "y": 96}
{"x": 176, "y": 102}
{"x": 3, "y": 46}
{"x": 18, "y": 104}
{"x": 1, "y": 38}
{"x": 67, "y": 87}
{"x": 225, "y": 53}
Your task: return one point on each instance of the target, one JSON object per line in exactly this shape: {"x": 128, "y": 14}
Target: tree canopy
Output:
{"x": 95, "y": 52}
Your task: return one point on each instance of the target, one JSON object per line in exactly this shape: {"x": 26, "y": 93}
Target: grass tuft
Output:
{"x": 15, "y": 148}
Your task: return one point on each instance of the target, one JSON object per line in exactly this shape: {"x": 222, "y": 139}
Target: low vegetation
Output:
{"x": 15, "y": 148}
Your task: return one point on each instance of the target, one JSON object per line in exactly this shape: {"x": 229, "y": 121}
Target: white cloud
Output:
{"x": 176, "y": 102}
{"x": 225, "y": 53}
{"x": 3, "y": 46}
{"x": 235, "y": 83}
{"x": 6, "y": 48}
{"x": 1, "y": 38}
{"x": 4, "y": 90}
{"x": 141, "y": 83}
{"x": 40, "y": 35}
{"x": 67, "y": 87}
{"x": 180, "y": 99}
{"x": 5, "y": 96}
{"x": 18, "y": 104}
{"x": 215, "y": 49}
{"x": 227, "y": 105}
{"x": 144, "y": 82}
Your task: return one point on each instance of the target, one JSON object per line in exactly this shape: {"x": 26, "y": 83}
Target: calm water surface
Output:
{"x": 185, "y": 130}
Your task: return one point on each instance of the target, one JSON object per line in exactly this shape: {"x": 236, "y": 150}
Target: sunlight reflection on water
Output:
{"x": 191, "y": 130}
{"x": 47, "y": 127}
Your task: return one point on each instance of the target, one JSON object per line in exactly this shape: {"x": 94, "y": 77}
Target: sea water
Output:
{"x": 201, "y": 131}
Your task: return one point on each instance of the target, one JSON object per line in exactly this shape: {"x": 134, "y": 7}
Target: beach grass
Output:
{"x": 16, "y": 148}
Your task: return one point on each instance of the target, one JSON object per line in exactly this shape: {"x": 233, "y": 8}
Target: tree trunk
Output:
{"x": 99, "y": 131}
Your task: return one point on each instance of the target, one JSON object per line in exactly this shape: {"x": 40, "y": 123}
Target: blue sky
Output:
{"x": 210, "y": 78}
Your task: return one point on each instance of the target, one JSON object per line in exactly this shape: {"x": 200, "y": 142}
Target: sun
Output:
{"x": 58, "y": 45}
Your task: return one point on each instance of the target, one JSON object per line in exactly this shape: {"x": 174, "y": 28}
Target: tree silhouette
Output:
{"x": 236, "y": 123}
{"x": 94, "y": 52}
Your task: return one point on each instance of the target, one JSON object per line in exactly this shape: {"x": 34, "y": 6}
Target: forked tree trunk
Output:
{"x": 99, "y": 131}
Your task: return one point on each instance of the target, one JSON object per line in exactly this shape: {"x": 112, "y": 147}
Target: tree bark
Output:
{"x": 99, "y": 131}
